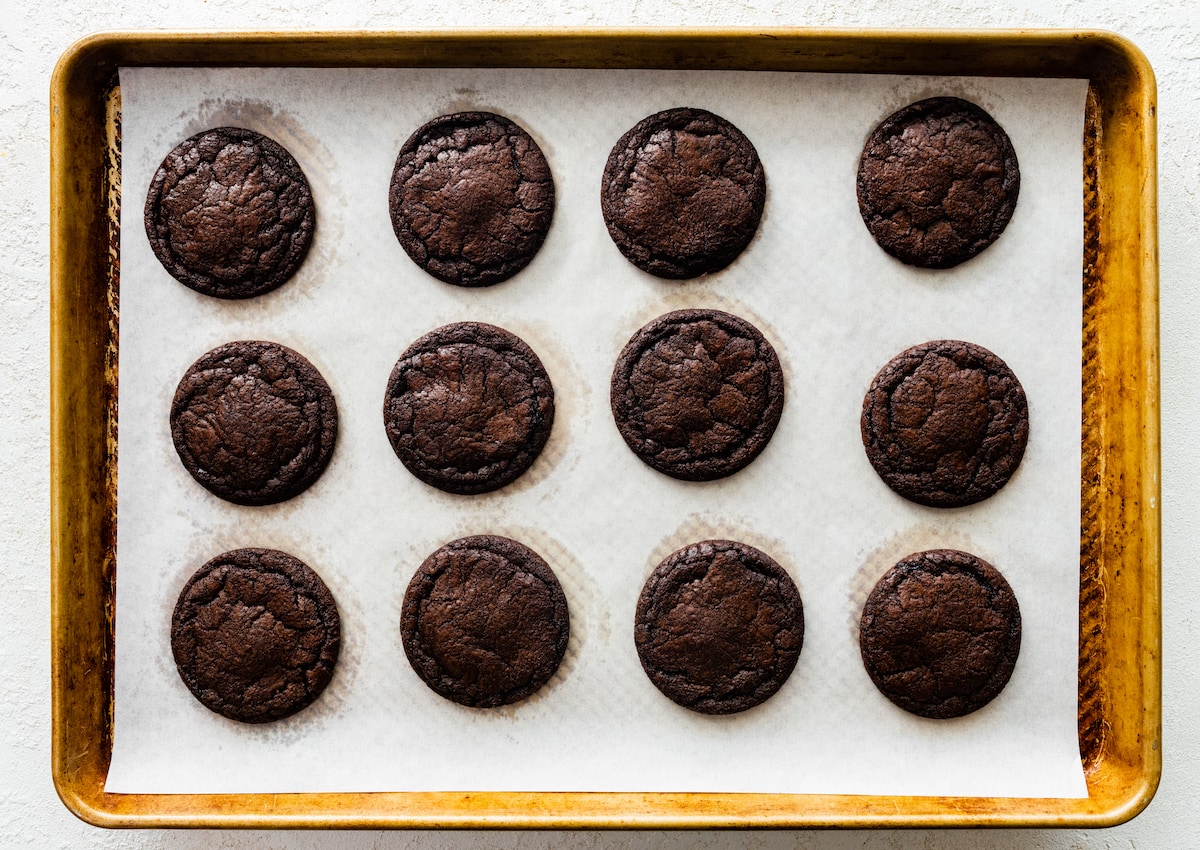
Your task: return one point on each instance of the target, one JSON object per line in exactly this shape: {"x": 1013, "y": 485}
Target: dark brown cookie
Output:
{"x": 937, "y": 182}
{"x": 719, "y": 627}
{"x": 484, "y": 622}
{"x": 697, "y": 394}
{"x": 254, "y": 422}
{"x": 229, "y": 213}
{"x": 471, "y": 198}
{"x": 945, "y": 423}
{"x": 468, "y": 408}
{"x": 255, "y": 635}
{"x": 683, "y": 193}
{"x": 940, "y": 633}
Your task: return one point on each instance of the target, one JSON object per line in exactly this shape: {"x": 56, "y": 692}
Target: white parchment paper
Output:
{"x": 833, "y": 304}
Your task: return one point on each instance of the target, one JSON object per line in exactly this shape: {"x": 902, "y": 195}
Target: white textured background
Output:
{"x": 33, "y": 35}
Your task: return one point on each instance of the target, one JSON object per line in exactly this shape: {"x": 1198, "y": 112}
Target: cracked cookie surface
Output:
{"x": 468, "y": 408}
{"x": 683, "y": 193}
{"x": 255, "y": 635}
{"x": 485, "y": 621}
{"x": 697, "y": 394}
{"x": 471, "y": 198}
{"x": 254, "y": 422}
{"x": 719, "y": 627}
{"x": 230, "y": 213}
{"x": 940, "y": 633}
{"x": 945, "y": 423}
{"x": 937, "y": 182}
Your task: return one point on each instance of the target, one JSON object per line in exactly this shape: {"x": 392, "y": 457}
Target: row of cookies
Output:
{"x": 718, "y": 629}
{"x": 230, "y": 213}
{"x": 696, "y": 394}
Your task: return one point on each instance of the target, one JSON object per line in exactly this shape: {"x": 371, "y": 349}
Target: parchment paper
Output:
{"x": 835, "y": 307}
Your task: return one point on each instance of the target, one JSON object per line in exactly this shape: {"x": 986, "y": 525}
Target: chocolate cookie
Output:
{"x": 468, "y": 408}
{"x": 255, "y": 635}
{"x": 484, "y": 622}
{"x": 719, "y": 627}
{"x": 697, "y": 394}
{"x": 229, "y": 213}
{"x": 683, "y": 193}
{"x": 937, "y": 182}
{"x": 940, "y": 633}
{"x": 945, "y": 423}
{"x": 254, "y": 422}
{"x": 471, "y": 198}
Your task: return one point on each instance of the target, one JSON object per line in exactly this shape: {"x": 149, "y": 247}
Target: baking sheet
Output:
{"x": 835, "y": 307}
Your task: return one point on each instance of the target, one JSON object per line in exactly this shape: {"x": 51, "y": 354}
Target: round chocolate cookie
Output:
{"x": 940, "y": 633}
{"x": 484, "y": 622}
{"x": 945, "y": 423}
{"x": 937, "y": 182}
{"x": 255, "y": 635}
{"x": 471, "y": 198}
{"x": 719, "y": 627}
{"x": 683, "y": 193}
{"x": 697, "y": 394}
{"x": 468, "y": 408}
{"x": 254, "y": 422}
{"x": 229, "y": 213}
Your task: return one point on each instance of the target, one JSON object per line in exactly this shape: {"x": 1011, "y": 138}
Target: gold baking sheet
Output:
{"x": 1119, "y": 563}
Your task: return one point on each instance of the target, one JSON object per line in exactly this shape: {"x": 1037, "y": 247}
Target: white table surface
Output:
{"x": 34, "y": 34}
